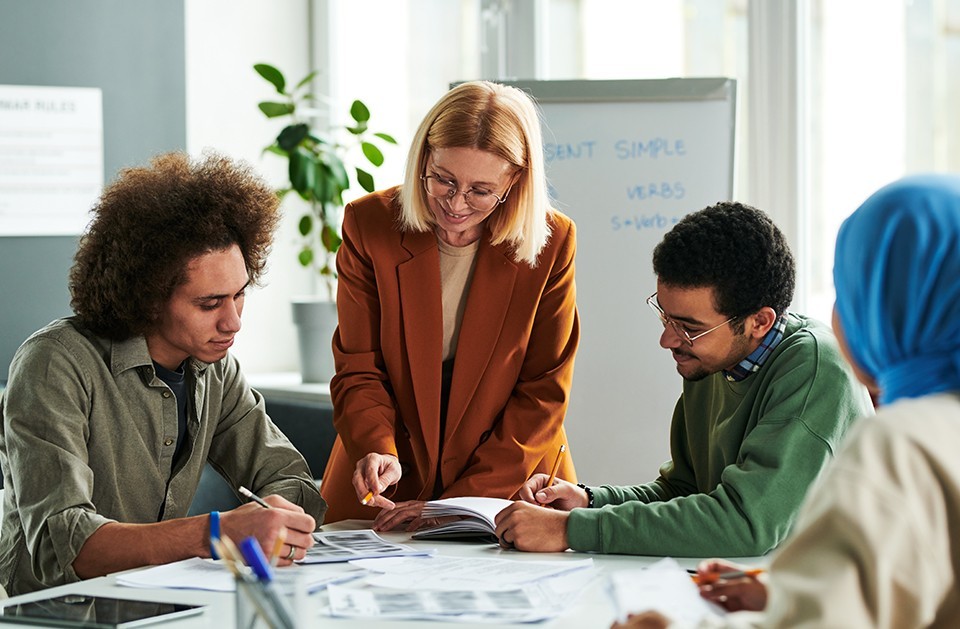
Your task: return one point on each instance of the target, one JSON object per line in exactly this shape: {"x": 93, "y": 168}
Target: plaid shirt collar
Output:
{"x": 753, "y": 362}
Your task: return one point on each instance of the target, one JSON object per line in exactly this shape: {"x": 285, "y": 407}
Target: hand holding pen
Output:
{"x": 267, "y": 519}
{"x": 372, "y": 475}
{"x": 732, "y": 586}
{"x": 548, "y": 490}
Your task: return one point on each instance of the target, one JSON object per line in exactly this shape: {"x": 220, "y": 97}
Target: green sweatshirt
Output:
{"x": 743, "y": 456}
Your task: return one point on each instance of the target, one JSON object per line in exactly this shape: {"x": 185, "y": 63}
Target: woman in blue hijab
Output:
{"x": 878, "y": 542}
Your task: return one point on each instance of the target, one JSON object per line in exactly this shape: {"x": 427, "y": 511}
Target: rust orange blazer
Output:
{"x": 512, "y": 373}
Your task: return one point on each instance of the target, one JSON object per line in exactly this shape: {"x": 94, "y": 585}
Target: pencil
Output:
{"x": 254, "y": 497}
{"x": 556, "y": 465}
{"x": 278, "y": 546}
{"x": 367, "y": 498}
{"x": 725, "y": 576}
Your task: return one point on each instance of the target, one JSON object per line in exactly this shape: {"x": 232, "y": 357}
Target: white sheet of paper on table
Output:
{"x": 460, "y": 573}
{"x": 664, "y": 587}
{"x": 207, "y": 574}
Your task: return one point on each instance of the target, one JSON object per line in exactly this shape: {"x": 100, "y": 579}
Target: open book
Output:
{"x": 475, "y": 518}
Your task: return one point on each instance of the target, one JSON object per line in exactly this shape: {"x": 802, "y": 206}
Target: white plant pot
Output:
{"x": 316, "y": 321}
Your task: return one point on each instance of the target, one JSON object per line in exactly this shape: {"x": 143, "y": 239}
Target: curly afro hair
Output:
{"x": 734, "y": 249}
{"x": 151, "y": 222}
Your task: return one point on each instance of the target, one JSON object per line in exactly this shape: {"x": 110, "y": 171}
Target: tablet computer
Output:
{"x": 95, "y": 612}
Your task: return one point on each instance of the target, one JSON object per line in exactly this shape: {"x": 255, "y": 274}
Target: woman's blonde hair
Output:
{"x": 501, "y": 120}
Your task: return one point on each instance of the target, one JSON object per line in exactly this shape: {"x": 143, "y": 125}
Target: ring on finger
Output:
{"x": 293, "y": 551}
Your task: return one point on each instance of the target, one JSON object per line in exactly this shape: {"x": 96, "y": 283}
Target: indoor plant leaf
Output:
{"x": 305, "y": 256}
{"x": 273, "y": 110}
{"x": 306, "y": 80}
{"x": 302, "y": 172}
{"x": 365, "y": 180}
{"x": 305, "y": 225}
{"x": 330, "y": 239}
{"x": 292, "y": 135}
{"x": 359, "y": 111}
{"x": 372, "y": 153}
{"x": 271, "y": 74}
{"x": 386, "y": 138}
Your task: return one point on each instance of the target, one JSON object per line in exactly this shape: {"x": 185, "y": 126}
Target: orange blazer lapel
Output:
{"x": 419, "y": 281}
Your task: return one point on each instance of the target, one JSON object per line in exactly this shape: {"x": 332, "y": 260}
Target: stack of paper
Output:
{"x": 463, "y": 589}
{"x": 474, "y": 518}
{"x": 347, "y": 545}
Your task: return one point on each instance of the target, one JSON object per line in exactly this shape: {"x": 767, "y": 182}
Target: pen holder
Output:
{"x": 284, "y": 603}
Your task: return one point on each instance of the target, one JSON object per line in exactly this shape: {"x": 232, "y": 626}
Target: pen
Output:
{"x": 278, "y": 617}
{"x": 254, "y": 497}
{"x": 556, "y": 465}
{"x": 725, "y": 576}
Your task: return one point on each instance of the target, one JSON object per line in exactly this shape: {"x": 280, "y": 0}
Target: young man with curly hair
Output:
{"x": 766, "y": 399}
{"x": 110, "y": 415}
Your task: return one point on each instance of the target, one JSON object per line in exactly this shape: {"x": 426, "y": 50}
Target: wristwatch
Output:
{"x": 589, "y": 494}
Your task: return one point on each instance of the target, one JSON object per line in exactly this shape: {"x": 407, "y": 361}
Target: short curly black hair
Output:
{"x": 734, "y": 249}
{"x": 151, "y": 222}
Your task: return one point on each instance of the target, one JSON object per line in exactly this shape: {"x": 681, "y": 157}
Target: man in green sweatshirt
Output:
{"x": 766, "y": 399}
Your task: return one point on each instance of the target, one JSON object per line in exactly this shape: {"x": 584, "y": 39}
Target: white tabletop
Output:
{"x": 594, "y": 608}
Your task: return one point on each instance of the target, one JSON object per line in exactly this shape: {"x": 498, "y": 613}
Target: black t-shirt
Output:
{"x": 177, "y": 381}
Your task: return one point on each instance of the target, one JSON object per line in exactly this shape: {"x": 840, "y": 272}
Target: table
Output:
{"x": 594, "y": 609}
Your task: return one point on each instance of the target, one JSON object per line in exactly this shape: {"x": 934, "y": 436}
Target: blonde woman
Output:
{"x": 458, "y": 323}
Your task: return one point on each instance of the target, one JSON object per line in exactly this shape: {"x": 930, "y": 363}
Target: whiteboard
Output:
{"x": 626, "y": 160}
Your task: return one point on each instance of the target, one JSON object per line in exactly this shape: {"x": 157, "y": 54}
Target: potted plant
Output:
{"x": 321, "y": 166}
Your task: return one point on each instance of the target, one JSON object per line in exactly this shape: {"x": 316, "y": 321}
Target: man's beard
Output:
{"x": 739, "y": 351}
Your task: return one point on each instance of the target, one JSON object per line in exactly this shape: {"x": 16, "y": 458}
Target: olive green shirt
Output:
{"x": 88, "y": 437}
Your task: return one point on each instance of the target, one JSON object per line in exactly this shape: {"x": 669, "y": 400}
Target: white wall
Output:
{"x": 224, "y": 39}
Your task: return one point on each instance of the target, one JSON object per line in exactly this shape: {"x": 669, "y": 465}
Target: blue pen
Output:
{"x": 253, "y": 555}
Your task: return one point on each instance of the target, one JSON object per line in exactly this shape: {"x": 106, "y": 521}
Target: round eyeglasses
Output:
{"x": 446, "y": 190}
{"x": 678, "y": 327}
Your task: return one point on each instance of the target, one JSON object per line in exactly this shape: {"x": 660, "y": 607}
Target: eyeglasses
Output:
{"x": 677, "y": 327}
{"x": 446, "y": 190}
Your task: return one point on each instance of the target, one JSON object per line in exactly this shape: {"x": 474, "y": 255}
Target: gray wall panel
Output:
{"x": 133, "y": 50}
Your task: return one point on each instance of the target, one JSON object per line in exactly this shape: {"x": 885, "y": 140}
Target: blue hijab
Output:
{"x": 897, "y": 275}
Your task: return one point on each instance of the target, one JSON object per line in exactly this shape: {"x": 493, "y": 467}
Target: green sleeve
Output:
{"x": 747, "y": 514}
{"x": 797, "y": 411}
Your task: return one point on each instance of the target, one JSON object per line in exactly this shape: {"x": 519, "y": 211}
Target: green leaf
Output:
{"x": 305, "y": 256}
{"x": 331, "y": 241}
{"x": 359, "y": 112}
{"x": 373, "y": 153}
{"x": 360, "y": 129}
{"x": 276, "y": 150}
{"x": 306, "y": 80}
{"x": 386, "y": 138}
{"x": 365, "y": 180}
{"x": 306, "y": 225}
{"x": 322, "y": 186}
{"x": 273, "y": 110}
{"x": 271, "y": 74}
{"x": 292, "y": 136}
{"x": 302, "y": 172}
{"x": 337, "y": 170}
